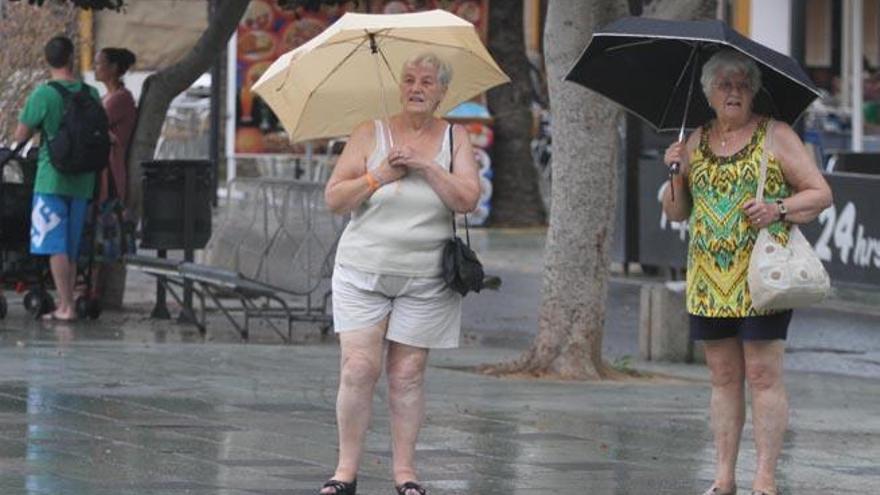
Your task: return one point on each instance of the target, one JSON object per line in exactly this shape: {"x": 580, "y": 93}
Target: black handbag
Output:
{"x": 462, "y": 270}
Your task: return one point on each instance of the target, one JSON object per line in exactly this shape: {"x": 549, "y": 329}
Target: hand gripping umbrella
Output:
{"x": 650, "y": 67}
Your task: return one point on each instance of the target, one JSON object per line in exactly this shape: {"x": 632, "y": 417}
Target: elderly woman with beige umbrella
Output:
{"x": 402, "y": 176}
{"x": 388, "y": 296}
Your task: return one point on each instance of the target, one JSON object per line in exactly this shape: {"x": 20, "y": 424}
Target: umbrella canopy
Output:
{"x": 349, "y": 73}
{"x": 651, "y": 67}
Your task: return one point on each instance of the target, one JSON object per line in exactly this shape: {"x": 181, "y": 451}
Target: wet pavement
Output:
{"x": 129, "y": 405}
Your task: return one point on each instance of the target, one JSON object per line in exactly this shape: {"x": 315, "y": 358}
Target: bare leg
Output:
{"x": 769, "y": 407}
{"x": 728, "y": 406}
{"x": 406, "y": 398}
{"x": 361, "y": 365}
{"x": 63, "y": 273}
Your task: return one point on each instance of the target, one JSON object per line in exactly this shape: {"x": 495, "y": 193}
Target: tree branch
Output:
{"x": 160, "y": 88}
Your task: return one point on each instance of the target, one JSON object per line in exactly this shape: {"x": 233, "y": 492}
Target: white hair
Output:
{"x": 444, "y": 70}
{"x": 730, "y": 62}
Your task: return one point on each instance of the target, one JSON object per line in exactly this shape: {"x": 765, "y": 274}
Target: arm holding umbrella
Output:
{"x": 679, "y": 152}
{"x": 351, "y": 183}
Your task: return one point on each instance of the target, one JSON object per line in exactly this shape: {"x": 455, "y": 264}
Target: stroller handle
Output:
{"x": 15, "y": 151}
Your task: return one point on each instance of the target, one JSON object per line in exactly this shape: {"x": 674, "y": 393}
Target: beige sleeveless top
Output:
{"x": 401, "y": 228}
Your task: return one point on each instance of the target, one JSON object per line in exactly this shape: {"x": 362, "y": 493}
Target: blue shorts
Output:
{"x": 57, "y": 224}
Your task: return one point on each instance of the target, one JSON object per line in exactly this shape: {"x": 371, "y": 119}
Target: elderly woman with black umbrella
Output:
{"x": 715, "y": 191}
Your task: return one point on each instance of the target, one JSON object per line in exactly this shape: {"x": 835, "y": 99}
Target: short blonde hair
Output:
{"x": 430, "y": 59}
{"x": 730, "y": 61}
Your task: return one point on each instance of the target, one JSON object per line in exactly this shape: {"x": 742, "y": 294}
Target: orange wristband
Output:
{"x": 372, "y": 182}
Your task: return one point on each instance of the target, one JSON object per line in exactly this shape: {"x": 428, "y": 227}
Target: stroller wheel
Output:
{"x": 95, "y": 309}
{"x": 88, "y": 308}
{"x": 38, "y": 302}
{"x": 31, "y": 300}
{"x": 82, "y": 307}
{"x": 4, "y": 307}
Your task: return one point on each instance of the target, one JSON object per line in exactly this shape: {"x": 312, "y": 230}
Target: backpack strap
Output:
{"x": 57, "y": 86}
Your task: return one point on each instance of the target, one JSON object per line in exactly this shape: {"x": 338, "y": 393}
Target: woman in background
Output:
{"x": 110, "y": 65}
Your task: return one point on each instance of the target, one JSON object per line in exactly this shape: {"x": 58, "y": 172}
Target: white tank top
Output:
{"x": 402, "y": 227}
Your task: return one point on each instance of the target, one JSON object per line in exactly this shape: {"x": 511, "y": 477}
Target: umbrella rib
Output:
{"x": 423, "y": 42}
{"x": 385, "y": 37}
{"x": 329, "y": 74}
{"x": 347, "y": 56}
{"x": 639, "y": 43}
{"x": 359, "y": 40}
{"x": 336, "y": 68}
{"x": 720, "y": 42}
{"x": 388, "y": 65}
{"x": 677, "y": 84}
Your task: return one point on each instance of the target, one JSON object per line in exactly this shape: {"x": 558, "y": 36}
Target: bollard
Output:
{"x": 663, "y": 325}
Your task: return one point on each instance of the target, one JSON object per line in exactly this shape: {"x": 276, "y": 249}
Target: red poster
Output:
{"x": 474, "y": 11}
{"x": 266, "y": 32}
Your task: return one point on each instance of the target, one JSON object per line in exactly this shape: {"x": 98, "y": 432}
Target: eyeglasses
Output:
{"x": 727, "y": 86}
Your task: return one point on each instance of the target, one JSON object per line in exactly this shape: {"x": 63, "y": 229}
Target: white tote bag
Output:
{"x": 784, "y": 276}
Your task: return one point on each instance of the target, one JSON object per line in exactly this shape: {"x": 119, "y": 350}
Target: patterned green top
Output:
{"x": 721, "y": 237}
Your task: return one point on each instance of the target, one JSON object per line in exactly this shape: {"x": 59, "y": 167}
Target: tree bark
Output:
{"x": 585, "y": 143}
{"x": 681, "y": 9}
{"x": 516, "y": 199}
{"x": 160, "y": 88}
{"x": 158, "y": 91}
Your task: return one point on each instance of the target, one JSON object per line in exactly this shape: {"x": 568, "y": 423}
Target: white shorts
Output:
{"x": 423, "y": 311}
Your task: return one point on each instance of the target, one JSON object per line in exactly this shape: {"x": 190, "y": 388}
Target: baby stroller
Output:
{"x": 21, "y": 271}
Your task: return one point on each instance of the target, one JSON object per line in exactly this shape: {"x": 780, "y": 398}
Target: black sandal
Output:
{"x": 410, "y": 485}
{"x": 339, "y": 487}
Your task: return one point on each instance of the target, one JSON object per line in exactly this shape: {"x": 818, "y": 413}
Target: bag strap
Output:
{"x": 57, "y": 86}
{"x": 467, "y": 232}
{"x": 762, "y": 178}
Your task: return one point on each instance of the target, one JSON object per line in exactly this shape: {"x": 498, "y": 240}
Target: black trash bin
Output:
{"x": 168, "y": 197}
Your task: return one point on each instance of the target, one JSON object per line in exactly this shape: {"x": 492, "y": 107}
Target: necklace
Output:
{"x": 729, "y": 137}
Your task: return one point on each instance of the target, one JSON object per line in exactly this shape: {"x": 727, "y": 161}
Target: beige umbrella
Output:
{"x": 349, "y": 72}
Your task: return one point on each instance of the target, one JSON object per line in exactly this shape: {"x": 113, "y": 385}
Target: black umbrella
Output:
{"x": 651, "y": 67}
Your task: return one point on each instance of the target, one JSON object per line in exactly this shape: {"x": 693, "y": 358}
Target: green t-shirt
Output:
{"x": 43, "y": 111}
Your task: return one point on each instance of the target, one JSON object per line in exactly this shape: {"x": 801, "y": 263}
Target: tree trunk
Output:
{"x": 585, "y": 143}
{"x": 681, "y": 9}
{"x": 158, "y": 91}
{"x": 516, "y": 200}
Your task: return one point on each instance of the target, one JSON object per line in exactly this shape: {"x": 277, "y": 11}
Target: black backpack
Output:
{"x": 82, "y": 143}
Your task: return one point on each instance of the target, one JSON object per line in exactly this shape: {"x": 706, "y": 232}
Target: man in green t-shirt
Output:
{"x": 60, "y": 199}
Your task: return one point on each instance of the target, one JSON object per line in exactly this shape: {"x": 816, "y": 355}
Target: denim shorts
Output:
{"x": 56, "y": 224}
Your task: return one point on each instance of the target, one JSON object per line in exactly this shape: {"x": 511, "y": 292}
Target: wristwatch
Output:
{"x": 782, "y": 209}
